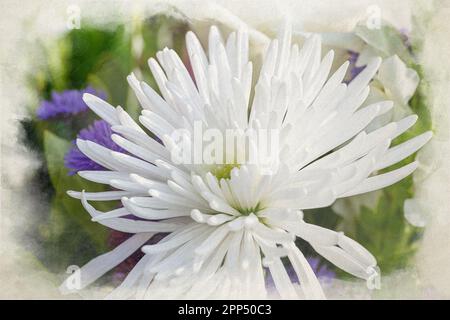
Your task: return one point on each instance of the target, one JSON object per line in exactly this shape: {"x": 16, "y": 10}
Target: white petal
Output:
{"x": 103, "y": 109}
{"x": 308, "y": 281}
{"x": 400, "y": 152}
{"x": 382, "y": 180}
{"x": 97, "y": 267}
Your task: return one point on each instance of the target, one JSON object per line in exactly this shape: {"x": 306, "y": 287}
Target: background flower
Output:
{"x": 66, "y": 103}
{"x": 99, "y": 132}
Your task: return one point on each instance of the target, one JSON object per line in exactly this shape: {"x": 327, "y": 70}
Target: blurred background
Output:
{"x": 57, "y": 51}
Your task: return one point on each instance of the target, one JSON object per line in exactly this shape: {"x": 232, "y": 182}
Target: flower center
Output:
{"x": 247, "y": 211}
{"x": 223, "y": 171}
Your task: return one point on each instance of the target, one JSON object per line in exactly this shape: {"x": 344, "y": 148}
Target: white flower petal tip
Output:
{"x": 415, "y": 213}
{"x": 87, "y": 97}
{"x": 103, "y": 109}
{"x": 80, "y": 144}
{"x": 376, "y": 62}
{"x": 74, "y": 194}
{"x": 197, "y": 216}
{"x": 385, "y": 106}
{"x": 425, "y": 137}
{"x": 225, "y": 223}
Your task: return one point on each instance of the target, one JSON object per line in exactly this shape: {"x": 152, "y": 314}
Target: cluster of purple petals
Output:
{"x": 99, "y": 132}
{"x": 66, "y": 103}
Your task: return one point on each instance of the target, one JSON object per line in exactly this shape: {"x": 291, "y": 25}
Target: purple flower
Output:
{"x": 66, "y": 103}
{"x": 354, "y": 70}
{"x": 99, "y": 132}
{"x": 322, "y": 272}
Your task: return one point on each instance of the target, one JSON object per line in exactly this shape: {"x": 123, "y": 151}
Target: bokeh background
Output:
{"x": 54, "y": 50}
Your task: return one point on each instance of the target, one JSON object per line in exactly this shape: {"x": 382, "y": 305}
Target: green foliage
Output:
{"x": 385, "y": 232}
{"x": 70, "y": 233}
{"x": 91, "y": 48}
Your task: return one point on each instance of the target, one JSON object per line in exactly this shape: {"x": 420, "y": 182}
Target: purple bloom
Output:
{"x": 66, "y": 103}
{"x": 322, "y": 272}
{"x": 354, "y": 70}
{"x": 99, "y": 132}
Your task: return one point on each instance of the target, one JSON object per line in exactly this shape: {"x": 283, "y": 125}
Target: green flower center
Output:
{"x": 223, "y": 171}
{"x": 247, "y": 211}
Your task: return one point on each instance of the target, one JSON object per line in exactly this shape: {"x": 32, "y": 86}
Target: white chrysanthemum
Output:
{"x": 227, "y": 224}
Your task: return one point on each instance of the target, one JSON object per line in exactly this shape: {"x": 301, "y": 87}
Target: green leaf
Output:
{"x": 384, "y": 230}
{"x": 88, "y": 47}
{"x": 64, "y": 206}
{"x": 65, "y": 240}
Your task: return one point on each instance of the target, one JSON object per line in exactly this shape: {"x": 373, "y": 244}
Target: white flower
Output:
{"x": 415, "y": 212}
{"x": 224, "y": 231}
{"x": 396, "y": 82}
